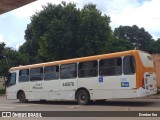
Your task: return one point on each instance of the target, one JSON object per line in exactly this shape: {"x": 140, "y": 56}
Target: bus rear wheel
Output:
{"x": 22, "y": 97}
{"x": 83, "y": 97}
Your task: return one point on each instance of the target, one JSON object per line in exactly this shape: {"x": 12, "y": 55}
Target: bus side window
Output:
{"x": 88, "y": 69}
{"x": 128, "y": 65}
{"x": 36, "y": 74}
{"x": 24, "y": 75}
{"x": 51, "y": 73}
{"x": 68, "y": 71}
{"x": 110, "y": 67}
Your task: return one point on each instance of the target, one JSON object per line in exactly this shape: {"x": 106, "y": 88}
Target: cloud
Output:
{"x": 18, "y": 45}
{"x": 143, "y": 15}
{"x": 1, "y": 38}
{"x": 30, "y": 9}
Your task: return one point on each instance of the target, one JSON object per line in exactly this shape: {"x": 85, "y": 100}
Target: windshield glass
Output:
{"x": 11, "y": 79}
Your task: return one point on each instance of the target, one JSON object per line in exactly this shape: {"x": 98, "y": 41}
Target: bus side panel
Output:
{"x": 109, "y": 87}
{"x": 24, "y": 86}
{"x": 36, "y": 90}
{"x": 11, "y": 93}
{"x": 51, "y": 89}
{"x": 67, "y": 89}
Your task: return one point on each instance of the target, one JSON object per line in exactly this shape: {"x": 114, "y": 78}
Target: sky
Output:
{"x": 143, "y": 13}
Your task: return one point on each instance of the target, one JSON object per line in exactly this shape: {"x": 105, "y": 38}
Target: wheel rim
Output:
{"x": 83, "y": 97}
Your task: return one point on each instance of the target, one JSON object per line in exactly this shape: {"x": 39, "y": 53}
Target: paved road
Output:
{"x": 110, "y": 105}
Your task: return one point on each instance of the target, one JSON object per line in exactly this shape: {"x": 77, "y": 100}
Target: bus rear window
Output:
{"x": 146, "y": 59}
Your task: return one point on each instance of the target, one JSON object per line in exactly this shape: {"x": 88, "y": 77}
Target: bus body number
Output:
{"x": 68, "y": 84}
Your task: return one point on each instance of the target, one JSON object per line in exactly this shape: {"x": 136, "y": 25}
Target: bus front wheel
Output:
{"x": 83, "y": 97}
{"x": 22, "y": 97}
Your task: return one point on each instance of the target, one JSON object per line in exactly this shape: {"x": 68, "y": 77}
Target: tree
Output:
{"x": 155, "y": 47}
{"x": 135, "y": 35}
{"x": 94, "y": 32}
{"x": 2, "y": 45}
{"x": 63, "y": 31}
{"x": 3, "y": 64}
{"x": 11, "y": 58}
{"x": 59, "y": 41}
{"x": 117, "y": 45}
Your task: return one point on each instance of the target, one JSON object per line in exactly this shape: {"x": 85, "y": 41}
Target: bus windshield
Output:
{"x": 11, "y": 79}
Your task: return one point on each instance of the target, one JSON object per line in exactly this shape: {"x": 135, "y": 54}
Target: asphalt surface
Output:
{"x": 151, "y": 103}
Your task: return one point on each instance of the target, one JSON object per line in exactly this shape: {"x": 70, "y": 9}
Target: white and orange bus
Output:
{"x": 127, "y": 74}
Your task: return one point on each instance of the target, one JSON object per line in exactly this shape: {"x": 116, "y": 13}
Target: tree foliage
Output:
{"x": 118, "y": 45}
{"x": 10, "y": 58}
{"x": 155, "y": 47}
{"x": 135, "y": 35}
{"x": 63, "y": 31}
{"x": 2, "y": 45}
{"x": 94, "y": 32}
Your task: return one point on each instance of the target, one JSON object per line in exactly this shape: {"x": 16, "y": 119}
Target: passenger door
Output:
{"x": 36, "y": 83}
{"x": 11, "y": 86}
{"x": 68, "y": 81}
{"x": 51, "y": 82}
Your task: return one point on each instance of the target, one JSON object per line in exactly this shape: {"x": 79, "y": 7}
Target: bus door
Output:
{"x": 51, "y": 82}
{"x": 11, "y": 86}
{"x": 150, "y": 83}
{"x": 68, "y": 81}
{"x": 36, "y": 83}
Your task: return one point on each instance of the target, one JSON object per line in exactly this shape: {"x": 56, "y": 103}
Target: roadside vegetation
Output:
{"x": 64, "y": 31}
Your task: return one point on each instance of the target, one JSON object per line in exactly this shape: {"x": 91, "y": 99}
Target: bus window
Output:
{"x": 88, "y": 69}
{"x": 24, "y": 75}
{"x": 36, "y": 74}
{"x": 51, "y": 73}
{"x": 68, "y": 71}
{"x": 128, "y": 65}
{"x": 11, "y": 79}
{"x": 110, "y": 67}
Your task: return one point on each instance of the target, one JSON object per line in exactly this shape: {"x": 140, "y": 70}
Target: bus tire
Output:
{"x": 83, "y": 97}
{"x": 22, "y": 97}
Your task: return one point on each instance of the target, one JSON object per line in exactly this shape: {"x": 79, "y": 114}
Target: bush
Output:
{"x": 2, "y": 91}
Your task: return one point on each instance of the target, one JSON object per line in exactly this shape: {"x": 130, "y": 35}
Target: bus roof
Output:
{"x": 74, "y": 60}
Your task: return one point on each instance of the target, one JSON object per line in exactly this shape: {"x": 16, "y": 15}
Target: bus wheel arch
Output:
{"x": 82, "y": 96}
{"x": 21, "y": 96}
